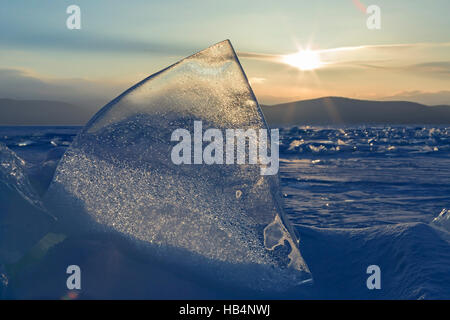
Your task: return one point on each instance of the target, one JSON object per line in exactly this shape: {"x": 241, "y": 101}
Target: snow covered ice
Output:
{"x": 117, "y": 176}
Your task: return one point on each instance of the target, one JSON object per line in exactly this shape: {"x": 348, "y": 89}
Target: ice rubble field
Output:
{"x": 338, "y": 240}
{"x": 141, "y": 227}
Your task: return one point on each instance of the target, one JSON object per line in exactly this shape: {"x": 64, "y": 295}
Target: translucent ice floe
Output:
{"x": 23, "y": 220}
{"x": 225, "y": 221}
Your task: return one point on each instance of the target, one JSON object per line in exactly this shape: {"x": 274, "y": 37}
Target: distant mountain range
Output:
{"x": 337, "y": 110}
{"x": 325, "y": 111}
{"x": 41, "y": 112}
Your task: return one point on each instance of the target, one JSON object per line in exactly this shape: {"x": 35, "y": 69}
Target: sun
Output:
{"x": 304, "y": 60}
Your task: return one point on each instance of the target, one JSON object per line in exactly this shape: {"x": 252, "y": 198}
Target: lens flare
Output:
{"x": 304, "y": 60}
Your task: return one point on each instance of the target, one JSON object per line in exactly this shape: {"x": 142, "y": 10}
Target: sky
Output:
{"x": 290, "y": 50}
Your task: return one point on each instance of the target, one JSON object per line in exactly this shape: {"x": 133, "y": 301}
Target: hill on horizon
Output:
{"x": 339, "y": 111}
{"x": 320, "y": 111}
{"x": 41, "y": 112}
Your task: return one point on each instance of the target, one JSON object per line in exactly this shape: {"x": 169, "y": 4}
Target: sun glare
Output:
{"x": 304, "y": 60}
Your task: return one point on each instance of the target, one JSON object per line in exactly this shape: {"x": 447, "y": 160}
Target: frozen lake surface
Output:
{"x": 357, "y": 196}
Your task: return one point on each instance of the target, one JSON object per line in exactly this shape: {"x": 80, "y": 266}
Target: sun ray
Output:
{"x": 304, "y": 60}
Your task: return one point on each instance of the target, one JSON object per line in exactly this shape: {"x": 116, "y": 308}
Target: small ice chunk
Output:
{"x": 23, "y": 220}
{"x": 442, "y": 220}
{"x": 3, "y": 282}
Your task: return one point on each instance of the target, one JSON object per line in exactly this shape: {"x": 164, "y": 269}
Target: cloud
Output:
{"x": 25, "y": 84}
{"x": 260, "y": 56}
{"x": 384, "y": 47}
{"x": 424, "y": 97}
{"x": 256, "y": 80}
{"x": 435, "y": 67}
{"x": 385, "y": 56}
{"x": 393, "y": 46}
{"x": 89, "y": 42}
